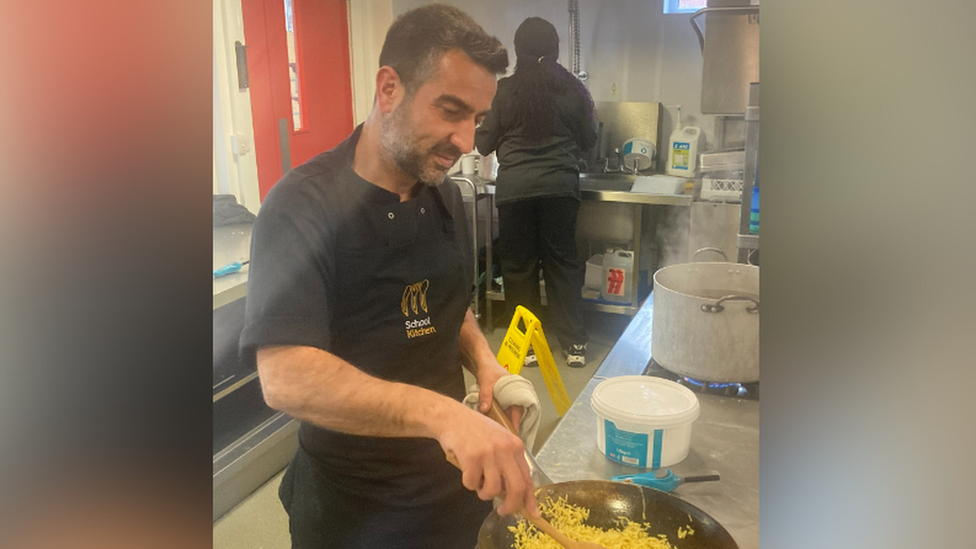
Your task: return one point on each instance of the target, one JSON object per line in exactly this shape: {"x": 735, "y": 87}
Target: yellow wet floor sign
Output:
{"x": 515, "y": 347}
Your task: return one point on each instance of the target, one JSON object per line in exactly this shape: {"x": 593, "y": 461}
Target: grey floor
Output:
{"x": 259, "y": 522}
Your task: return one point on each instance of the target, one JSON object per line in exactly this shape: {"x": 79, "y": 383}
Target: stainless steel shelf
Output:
{"x": 629, "y": 310}
{"x": 495, "y": 296}
{"x": 636, "y": 198}
{"x": 226, "y": 387}
{"x": 249, "y": 462}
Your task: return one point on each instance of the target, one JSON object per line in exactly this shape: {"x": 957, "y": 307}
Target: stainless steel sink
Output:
{"x": 601, "y": 221}
{"x": 607, "y": 181}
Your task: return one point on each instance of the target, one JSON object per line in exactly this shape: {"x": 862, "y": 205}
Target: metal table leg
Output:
{"x": 635, "y": 280}
{"x": 489, "y": 259}
{"x": 474, "y": 235}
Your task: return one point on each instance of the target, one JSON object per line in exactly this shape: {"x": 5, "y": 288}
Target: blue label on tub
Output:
{"x": 624, "y": 446}
{"x": 656, "y": 452}
{"x": 632, "y": 448}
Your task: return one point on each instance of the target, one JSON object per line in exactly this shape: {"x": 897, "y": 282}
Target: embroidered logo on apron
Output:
{"x": 415, "y": 300}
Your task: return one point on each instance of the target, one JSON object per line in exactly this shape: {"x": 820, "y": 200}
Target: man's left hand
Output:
{"x": 488, "y": 376}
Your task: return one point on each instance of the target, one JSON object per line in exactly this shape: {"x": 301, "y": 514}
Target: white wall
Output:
{"x": 368, "y": 23}
{"x": 234, "y": 172}
{"x": 631, "y": 50}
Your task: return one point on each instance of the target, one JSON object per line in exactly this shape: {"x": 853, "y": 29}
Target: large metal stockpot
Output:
{"x": 706, "y": 321}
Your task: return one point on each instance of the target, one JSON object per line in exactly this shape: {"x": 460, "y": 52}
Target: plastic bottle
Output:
{"x": 683, "y": 149}
{"x": 618, "y": 268}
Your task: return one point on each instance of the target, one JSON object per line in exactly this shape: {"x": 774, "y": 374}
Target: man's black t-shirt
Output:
{"x": 312, "y": 212}
{"x": 342, "y": 265}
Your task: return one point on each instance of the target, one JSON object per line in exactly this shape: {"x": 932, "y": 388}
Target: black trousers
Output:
{"x": 542, "y": 231}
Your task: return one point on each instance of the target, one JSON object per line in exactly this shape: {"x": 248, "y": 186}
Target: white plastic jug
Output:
{"x": 684, "y": 152}
{"x": 618, "y": 268}
{"x": 683, "y": 149}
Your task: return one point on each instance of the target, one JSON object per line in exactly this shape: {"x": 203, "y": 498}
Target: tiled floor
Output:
{"x": 259, "y": 522}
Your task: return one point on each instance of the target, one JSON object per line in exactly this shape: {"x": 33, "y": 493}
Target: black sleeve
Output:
{"x": 588, "y": 133}
{"x": 585, "y": 124}
{"x": 290, "y": 273}
{"x": 489, "y": 135}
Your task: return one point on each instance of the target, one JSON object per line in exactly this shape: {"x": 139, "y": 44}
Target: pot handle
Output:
{"x": 717, "y": 307}
{"x": 710, "y": 249}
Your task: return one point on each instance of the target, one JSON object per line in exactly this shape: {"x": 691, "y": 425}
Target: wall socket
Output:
{"x": 240, "y": 144}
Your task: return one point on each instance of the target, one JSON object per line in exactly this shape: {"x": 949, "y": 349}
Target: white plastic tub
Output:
{"x": 644, "y": 421}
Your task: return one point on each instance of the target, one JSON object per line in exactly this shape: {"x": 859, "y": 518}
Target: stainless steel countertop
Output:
{"x": 630, "y": 197}
{"x": 724, "y": 439}
{"x": 616, "y": 187}
{"x": 599, "y": 190}
{"x": 231, "y": 243}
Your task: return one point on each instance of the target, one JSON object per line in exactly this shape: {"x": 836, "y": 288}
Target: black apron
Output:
{"x": 402, "y": 292}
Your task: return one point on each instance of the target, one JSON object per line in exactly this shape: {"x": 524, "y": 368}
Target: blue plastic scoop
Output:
{"x": 229, "y": 268}
{"x": 666, "y": 483}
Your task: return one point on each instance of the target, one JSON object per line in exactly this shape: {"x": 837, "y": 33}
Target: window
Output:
{"x": 295, "y": 85}
{"x": 683, "y": 6}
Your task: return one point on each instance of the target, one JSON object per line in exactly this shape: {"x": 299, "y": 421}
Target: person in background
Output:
{"x": 357, "y": 311}
{"x": 541, "y": 122}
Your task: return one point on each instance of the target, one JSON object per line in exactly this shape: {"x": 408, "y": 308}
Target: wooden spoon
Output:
{"x": 539, "y": 522}
{"x": 561, "y": 539}
{"x": 498, "y": 415}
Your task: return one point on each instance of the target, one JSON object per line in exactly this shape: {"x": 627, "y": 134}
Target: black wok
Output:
{"x": 609, "y": 500}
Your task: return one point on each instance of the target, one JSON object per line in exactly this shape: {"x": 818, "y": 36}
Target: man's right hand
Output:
{"x": 492, "y": 461}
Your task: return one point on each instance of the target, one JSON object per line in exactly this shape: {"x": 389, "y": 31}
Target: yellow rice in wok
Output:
{"x": 569, "y": 519}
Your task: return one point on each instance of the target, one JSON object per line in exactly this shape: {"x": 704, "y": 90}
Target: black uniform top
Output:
{"x": 530, "y": 169}
{"x": 342, "y": 265}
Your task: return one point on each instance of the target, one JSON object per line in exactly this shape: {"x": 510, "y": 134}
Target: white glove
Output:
{"x": 514, "y": 390}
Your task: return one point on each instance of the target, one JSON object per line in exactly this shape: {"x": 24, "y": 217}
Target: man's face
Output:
{"x": 430, "y": 129}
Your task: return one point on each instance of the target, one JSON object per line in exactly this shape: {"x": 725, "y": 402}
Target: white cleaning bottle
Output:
{"x": 618, "y": 268}
{"x": 683, "y": 150}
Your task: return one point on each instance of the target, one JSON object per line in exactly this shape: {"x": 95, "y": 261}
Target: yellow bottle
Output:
{"x": 683, "y": 149}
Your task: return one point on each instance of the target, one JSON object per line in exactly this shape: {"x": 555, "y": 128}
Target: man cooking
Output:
{"x": 358, "y": 318}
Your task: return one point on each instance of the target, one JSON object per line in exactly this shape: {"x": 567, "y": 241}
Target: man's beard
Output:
{"x": 400, "y": 143}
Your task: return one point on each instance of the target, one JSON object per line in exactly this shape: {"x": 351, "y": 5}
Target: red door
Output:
{"x": 298, "y": 67}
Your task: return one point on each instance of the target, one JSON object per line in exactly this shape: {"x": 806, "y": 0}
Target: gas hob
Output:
{"x": 748, "y": 391}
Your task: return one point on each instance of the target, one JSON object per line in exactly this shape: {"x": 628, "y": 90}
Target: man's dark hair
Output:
{"x": 418, "y": 38}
